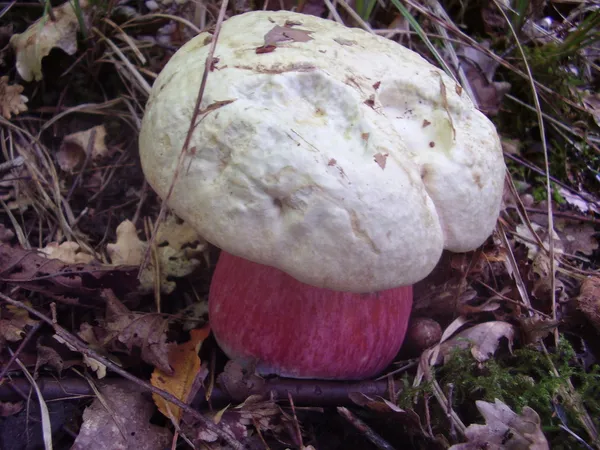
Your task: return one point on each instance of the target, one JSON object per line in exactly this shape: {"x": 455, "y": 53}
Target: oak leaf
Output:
{"x": 11, "y": 100}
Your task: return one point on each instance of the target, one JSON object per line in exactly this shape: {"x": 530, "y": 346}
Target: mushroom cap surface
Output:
{"x": 337, "y": 156}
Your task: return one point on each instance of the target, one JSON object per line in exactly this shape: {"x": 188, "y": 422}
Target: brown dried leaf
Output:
{"x": 483, "y": 339}
{"x": 68, "y": 252}
{"x": 286, "y": 34}
{"x": 64, "y": 282}
{"x": 480, "y": 70}
{"x": 185, "y": 362}
{"x": 535, "y": 328}
{"x": 147, "y": 331}
{"x": 86, "y": 333}
{"x": 577, "y": 237}
{"x": 178, "y": 249}
{"x": 121, "y": 421}
{"x": 13, "y": 321}
{"x": 11, "y": 100}
{"x": 44, "y": 35}
{"x": 504, "y": 429}
{"x": 75, "y": 147}
{"x": 588, "y": 300}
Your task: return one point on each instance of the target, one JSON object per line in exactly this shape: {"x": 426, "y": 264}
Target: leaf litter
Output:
{"x": 79, "y": 248}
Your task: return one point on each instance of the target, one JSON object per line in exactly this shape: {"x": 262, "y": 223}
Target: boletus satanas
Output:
{"x": 332, "y": 167}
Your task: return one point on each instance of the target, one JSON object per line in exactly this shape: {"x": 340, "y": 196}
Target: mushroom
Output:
{"x": 332, "y": 167}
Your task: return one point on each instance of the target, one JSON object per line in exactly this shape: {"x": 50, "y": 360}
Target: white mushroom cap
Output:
{"x": 339, "y": 157}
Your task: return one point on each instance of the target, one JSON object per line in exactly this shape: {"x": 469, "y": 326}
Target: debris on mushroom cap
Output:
{"x": 338, "y": 156}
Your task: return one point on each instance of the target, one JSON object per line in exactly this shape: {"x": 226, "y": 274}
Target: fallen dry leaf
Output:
{"x": 577, "y": 237}
{"x": 75, "y": 147}
{"x": 129, "y": 330}
{"x": 13, "y": 321}
{"x": 68, "y": 252}
{"x": 11, "y": 100}
{"x": 504, "y": 429}
{"x": 480, "y": 70}
{"x": 588, "y": 300}
{"x": 68, "y": 283}
{"x": 178, "y": 250}
{"x": 185, "y": 362}
{"x": 121, "y": 421}
{"x": 483, "y": 339}
{"x": 86, "y": 333}
{"x": 44, "y": 35}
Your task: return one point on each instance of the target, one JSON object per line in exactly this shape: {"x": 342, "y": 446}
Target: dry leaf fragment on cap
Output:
{"x": 44, "y": 35}
{"x": 75, "y": 147}
{"x": 286, "y": 34}
{"x": 11, "y": 100}
{"x": 504, "y": 429}
{"x": 483, "y": 339}
{"x": 185, "y": 362}
{"x": 68, "y": 252}
{"x": 121, "y": 420}
{"x": 178, "y": 250}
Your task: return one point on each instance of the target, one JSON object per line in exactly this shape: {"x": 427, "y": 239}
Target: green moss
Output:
{"x": 527, "y": 378}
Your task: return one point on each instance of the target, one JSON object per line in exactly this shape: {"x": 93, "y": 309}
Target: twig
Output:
{"x": 188, "y": 138}
{"x": 371, "y": 435}
{"x": 81, "y": 347}
{"x": 296, "y": 423}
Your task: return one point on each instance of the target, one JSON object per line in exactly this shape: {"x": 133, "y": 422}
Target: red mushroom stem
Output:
{"x": 263, "y": 317}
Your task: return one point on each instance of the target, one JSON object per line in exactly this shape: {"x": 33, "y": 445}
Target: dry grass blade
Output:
{"x": 142, "y": 83}
{"x": 46, "y": 426}
{"x": 182, "y": 20}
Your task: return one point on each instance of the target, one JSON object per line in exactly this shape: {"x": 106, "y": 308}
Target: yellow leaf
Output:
{"x": 185, "y": 362}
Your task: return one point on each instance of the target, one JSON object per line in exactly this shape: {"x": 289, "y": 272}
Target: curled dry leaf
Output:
{"x": 483, "y": 339}
{"x": 44, "y": 35}
{"x": 185, "y": 362}
{"x": 75, "y": 147}
{"x": 121, "y": 420}
{"x": 504, "y": 429}
{"x": 67, "y": 252}
{"x": 178, "y": 250}
{"x": 11, "y": 100}
{"x": 588, "y": 300}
